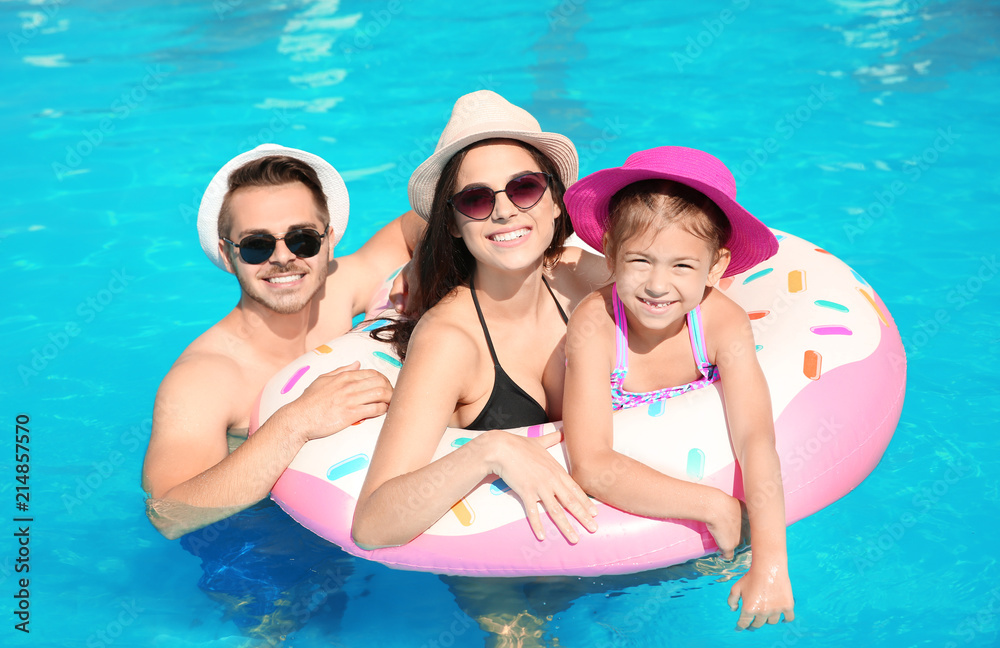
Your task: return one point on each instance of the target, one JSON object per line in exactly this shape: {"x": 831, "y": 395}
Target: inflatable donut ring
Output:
{"x": 836, "y": 371}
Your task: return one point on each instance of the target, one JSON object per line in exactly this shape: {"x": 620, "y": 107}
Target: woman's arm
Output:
{"x": 609, "y": 475}
{"x": 766, "y": 589}
{"x": 405, "y": 492}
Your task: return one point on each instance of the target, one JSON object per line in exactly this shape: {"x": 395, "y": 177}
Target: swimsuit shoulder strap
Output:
{"x": 621, "y": 330}
{"x": 562, "y": 313}
{"x": 697, "y": 332}
{"x": 482, "y": 320}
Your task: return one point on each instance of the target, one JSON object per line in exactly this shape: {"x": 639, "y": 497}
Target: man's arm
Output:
{"x": 190, "y": 477}
{"x": 388, "y": 249}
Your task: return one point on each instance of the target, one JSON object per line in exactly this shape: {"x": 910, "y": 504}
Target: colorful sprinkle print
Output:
{"x": 756, "y": 315}
{"x": 463, "y": 512}
{"x": 812, "y": 365}
{"x": 859, "y": 277}
{"x": 499, "y": 487}
{"x": 831, "y": 330}
{"x": 535, "y": 431}
{"x": 696, "y": 464}
{"x": 656, "y": 408}
{"x": 388, "y": 358}
{"x": 347, "y": 466}
{"x": 377, "y": 324}
{"x": 796, "y": 281}
{"x": 840, "y": 308}
{"x": 294, "y": 379}
{"x": 321, "y": 349}
{"x": 760, "y": 346}
{"x": 458, "y": 443}
{"x": 758, "y": 275}
{"x": 878, "y": 310}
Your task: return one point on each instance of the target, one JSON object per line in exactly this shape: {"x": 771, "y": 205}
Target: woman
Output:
{"x": 493, "y": 289}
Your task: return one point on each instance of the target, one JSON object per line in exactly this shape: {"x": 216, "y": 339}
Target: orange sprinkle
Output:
{"x": 812, "y": 365}
{"x": 322, "y": 349}
{"x": 878, "y": 310}
{"x": 756, "y": 315}
{"x": 463, "y": 512}
{"x": 796, "y": 281}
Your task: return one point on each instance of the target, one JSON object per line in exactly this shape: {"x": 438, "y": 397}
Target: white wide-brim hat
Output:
{"x": 333, "y": 186}
{"x": 484, "y": 115}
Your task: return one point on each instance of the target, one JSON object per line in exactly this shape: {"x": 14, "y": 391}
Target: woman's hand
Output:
{"x": 526, "y": 466}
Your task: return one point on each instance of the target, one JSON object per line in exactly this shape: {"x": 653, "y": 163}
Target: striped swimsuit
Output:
{"x": 621, "y": 399}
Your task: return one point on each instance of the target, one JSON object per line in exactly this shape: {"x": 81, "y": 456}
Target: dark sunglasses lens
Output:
{"x": 475, "y": 203}
{"x": 527, "y": 190}
{"x": 303, "y": 243}
{"x": 257, "y": 249}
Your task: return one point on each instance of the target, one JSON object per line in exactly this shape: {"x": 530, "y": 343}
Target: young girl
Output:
{"x": 670, "y": 227}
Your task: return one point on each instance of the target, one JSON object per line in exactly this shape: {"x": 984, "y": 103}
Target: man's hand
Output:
{"x": 337, "y": 400}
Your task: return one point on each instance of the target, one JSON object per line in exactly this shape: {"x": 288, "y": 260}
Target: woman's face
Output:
{"x": 510, "y": 238}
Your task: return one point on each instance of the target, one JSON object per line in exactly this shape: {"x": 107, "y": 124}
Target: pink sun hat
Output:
{"x": 750, "y": 243}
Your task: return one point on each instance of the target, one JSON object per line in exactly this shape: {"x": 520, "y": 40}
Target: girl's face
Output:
{"x": 662, "y": 274}
{"x": 510, "y": 238}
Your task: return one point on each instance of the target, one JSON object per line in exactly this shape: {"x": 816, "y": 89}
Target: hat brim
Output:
{"x": 556, "y": 147}
{"x": 337, "y": 201}
{"x": 750, "y": 243}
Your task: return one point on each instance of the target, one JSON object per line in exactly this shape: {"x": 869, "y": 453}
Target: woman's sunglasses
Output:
{"x": 258, "y": 248}
{"x": 524, "y": 191}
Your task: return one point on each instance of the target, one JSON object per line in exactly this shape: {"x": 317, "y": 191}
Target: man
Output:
{"x": 271, "y": 217}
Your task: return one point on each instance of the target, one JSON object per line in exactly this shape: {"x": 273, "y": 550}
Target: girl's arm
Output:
{"x": 405, "y": 492}
{"x": 609, "y": 475}
{"x": 766, "y": 589}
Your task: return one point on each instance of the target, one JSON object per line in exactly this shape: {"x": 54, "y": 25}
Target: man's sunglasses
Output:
{"x": 258, "y": 248}
{"x": 524, "y": 191}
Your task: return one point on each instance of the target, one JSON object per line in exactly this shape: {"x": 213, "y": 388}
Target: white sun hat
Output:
{"x": 334, "y": 189}
{"x": 486, "y": 115}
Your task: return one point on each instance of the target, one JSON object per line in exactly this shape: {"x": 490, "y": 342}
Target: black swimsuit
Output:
{"x": 509, "y": 406}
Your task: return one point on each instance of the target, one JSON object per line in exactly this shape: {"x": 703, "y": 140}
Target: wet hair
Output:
{"x": 272, "y": 171}
{"x": 653, "y": 204}
{"x": 443, "y": 261}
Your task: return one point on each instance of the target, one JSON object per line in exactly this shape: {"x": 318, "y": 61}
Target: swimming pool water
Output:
{"x": 866, "y": 127}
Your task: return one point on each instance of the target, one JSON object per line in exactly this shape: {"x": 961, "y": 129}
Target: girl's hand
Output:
{"x": 726, "y": 524}
{"x": 766, "y": 593}
{"x": 537, "y": 478}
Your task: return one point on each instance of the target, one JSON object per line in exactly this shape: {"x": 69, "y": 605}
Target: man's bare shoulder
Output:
{"x": 211, "y": 360}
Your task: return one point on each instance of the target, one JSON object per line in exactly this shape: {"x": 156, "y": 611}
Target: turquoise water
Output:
{"x": 868, "y": 128}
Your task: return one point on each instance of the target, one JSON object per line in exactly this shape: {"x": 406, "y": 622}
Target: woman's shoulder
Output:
{"x": 450, "y": 323}
{"x": 578, "y": 273}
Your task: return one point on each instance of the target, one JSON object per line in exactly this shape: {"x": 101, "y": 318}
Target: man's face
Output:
{"x": 284, "y": 283}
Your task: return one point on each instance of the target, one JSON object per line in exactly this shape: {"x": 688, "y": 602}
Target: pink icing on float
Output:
{"x": 836, "y": 371}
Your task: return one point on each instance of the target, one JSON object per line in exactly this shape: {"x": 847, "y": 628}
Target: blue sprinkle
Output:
{"x": 696, "y": 464}
{"x": 780, "y": 237}
{"x": 760, "y": 346}
{"x": 840, "y": 308}
{"x": 347, "y": 466}
{"x": 458, "y": 443}
{"x": 388, "y": 358}
{"x": 656, "y": 409}
{"x": 498, "y": 487}
{"x": 758, "y": 275}
{"x": 859, "y": 277}
{"x": 377, "y": 324}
